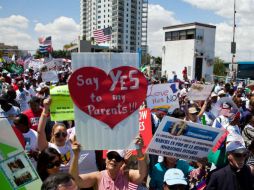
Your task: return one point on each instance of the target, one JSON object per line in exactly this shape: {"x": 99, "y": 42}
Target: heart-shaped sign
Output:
{"x": 109, "y": 98}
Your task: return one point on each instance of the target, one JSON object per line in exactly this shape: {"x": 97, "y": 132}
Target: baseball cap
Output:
{"x": 235, "y": 147}
{"x": 221, "y": 92}
{"x": 174, "y": 176}
{"x": 120, "y": 153}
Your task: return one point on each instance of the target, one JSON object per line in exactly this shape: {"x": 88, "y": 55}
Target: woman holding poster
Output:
{"x": 58, "y": 138}
{"x": 114, "y": 177}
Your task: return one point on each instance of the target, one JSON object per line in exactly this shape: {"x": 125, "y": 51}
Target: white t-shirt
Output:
{"x": 66, "y": 154}
{"x": 32, "y": 138}
{"x": 23, "y": 98}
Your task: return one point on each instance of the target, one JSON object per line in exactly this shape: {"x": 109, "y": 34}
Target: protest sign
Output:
{"x": 199, "y": 91}
{"x": 61, "y": 108}
{"x": 145, "y": 127}
{"x": 49, "y": 76}
{"x": 107, "y": 91}
{"x": 16, "y": 169}
{"x": 163, "y": 96}
{"x": 183, "y": 140}
{"x": 217, "y": 109}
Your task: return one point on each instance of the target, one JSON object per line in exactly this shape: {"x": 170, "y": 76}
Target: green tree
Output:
{"x": 219, "y": 67}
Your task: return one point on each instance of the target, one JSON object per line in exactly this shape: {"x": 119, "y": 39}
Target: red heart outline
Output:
{"x": 107, "y": 110}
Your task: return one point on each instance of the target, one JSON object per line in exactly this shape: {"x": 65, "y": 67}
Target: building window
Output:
{"x": 175, "y": 35}
{"x": 168, "y": 36}
{"x": 190, "y": 34}
{"x": 182, "y": 35}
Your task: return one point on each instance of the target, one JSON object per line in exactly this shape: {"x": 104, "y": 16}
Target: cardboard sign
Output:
{"x": 109, "y": 98}
{"x": 183, "y": 140}
{"x": 107, "y": 91}
{"x": 145, "y": 127}
{"x": 199, "y": 91}
{"x": 61, "y": 108}
{"x": 49, "y": 76}
{"x": 163, "y": 96}
{"x": 16, "y": 169}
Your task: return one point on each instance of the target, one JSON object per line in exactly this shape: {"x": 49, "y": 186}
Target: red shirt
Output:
{"x": 33, "y": 118}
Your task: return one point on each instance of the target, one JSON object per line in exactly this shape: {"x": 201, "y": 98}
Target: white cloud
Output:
{"x": 15, "y": 20}
{"x": 63, "y": 30}
{"x": 158, "y": 17}
{"x": 244, "y": 29}
{"x": 14, "y": 32}
{"x": 1, "y": 7}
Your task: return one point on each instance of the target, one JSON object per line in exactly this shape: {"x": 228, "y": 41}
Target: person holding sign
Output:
{"x": 114, "y": 177}
{"x": 58, "y": 137}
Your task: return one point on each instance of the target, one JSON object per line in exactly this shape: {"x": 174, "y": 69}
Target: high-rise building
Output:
{"x": 128, "y": 19}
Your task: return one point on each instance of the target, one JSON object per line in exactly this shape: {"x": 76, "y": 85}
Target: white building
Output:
{"x": 189, "y": 45}
{"x": 128, "y": 19}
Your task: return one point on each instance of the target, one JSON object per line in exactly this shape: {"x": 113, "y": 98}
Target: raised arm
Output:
{"x": 84, "y": 180}
{"x": 137, "y": 176}
{"x": 200, "y": 114}
{"x": 42, "y": 140}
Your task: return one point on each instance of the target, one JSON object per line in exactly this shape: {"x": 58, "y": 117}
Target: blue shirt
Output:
{"x": 160, "y": 169}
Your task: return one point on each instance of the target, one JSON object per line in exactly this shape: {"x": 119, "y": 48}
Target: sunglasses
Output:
{"x": 59, "y": 134}
{"x": 117, "y": 158}
{"x": 54, "y": 164}
{"x": 239, "y": 155}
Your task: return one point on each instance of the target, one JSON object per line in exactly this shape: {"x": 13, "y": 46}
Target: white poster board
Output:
{"x": 163, "y": 96}
{"x": 94, "y": 134}
{"x": 49, "y": 76}
{"x": 199, "y": 91}
{"x": 183, "y": 140}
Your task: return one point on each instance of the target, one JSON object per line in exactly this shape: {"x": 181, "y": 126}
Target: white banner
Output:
{"x": 163, "y": 96}
{"x": 96, "y": 115}
{"x": 183, "y": 140}
{"x": 199, "y": 91}
{"x": 49, "y": 76}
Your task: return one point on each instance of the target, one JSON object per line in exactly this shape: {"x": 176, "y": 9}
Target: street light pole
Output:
{"x": 233, "y": 44}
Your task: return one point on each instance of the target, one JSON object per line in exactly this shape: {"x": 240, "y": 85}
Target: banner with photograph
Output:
{"x": 163, "y": 97}
{"x": 61, "y": 108}
{"x": 16, "y": 169}
{"x": 107, "y": 90}
{"x": 199, "y": 91}
{"x": 183, "y": 140}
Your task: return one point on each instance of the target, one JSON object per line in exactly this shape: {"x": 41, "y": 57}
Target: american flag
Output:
{"x": 45, "y": 41}
{"x": 132, "y": 186}
{"x": 102, "y": 35}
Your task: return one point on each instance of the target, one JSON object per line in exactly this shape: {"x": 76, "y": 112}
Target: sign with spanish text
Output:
{"x": 61, "y": 108}
{"x": 200, "y": 91}
{"x": 183, "y": 140}
{"x": 16, "y": 169}
{"x": 107, "y": 90}
{"x": 163, "y": 97}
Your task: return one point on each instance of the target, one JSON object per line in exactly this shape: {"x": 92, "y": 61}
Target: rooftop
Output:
{"x": 189, "y": 24}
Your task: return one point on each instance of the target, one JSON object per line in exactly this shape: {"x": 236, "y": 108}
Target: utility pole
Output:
{"x": 233, "y": 46}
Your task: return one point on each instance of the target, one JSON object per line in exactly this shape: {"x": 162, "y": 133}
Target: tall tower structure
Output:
{"x": 128, "y": 19}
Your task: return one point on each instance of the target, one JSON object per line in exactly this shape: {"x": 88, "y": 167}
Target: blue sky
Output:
{"x": 23, "y": 21}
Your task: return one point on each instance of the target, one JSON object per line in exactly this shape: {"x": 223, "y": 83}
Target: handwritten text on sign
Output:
{"x": 109, "y": 98}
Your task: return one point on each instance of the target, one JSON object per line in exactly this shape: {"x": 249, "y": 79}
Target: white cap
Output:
{"x": 236, "y": 147}
{"x": 213, "y": 94}
{"x": 174, "y": 176}
{"x": 221, "y": 92}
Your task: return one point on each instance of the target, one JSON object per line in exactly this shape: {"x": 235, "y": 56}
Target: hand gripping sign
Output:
{"x": 110, "y": 97}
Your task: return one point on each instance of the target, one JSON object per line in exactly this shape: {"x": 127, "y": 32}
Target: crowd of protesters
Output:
{"x": 61, "y": 164}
